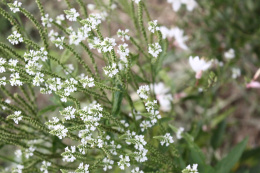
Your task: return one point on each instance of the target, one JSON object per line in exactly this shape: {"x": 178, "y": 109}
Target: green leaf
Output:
{"x": 47, "y": 109}
{"x": 218, "y": 134}
{"x": 226, "y": 164}
{"x": 117, "y": 100}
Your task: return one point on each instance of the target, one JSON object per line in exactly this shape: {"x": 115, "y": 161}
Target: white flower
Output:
{"x": 167, "y": 139}
{"x": 38, "y": 78}
{"x": 18, "y": 153}
{"x": 91, "y": 6}
{"x": 155, "y": 115}
{"x": 236, "y": 72}
{"x": 198, "y": 65}
{"x": 16, "y": 116}
{"x": 123, "y": 34}
{"x": 139, "y": 142}
{"x": 15, "y": 38}
{"x": 111, "y": 70}
{"x": 136, "y": 1}
{"x": 28, "y": 152}
{"x": 107, "y": 164}
{"x": 68, "y": 154}
{"x": 72, "y": 14}
{"x": 44, "y": 167}
{"x": 2, "y": 81}
{"x": 15, "y": 79}
{"x": 179, "y": 132}
{"x": 59, "y": 42}
{"x": 15, "y": 6}
{"x": 46, "y": 21}
{"x": 52, "y": 35}
{"x": 18, "y": 169}
{"x": 230, "y": 54}
{"x": 6, "y": 101}
{"x": 163, "y": 96}
{"x": 59, "y": 130}
{"x": 108, "y": 44}
{"x": 82, "y": 168}
{"x": 151, "y": 105}
{"x": 143, "y": 91}
{"x": 60, "y": 18}
{"x": 180, "y": 39}
{"x": 176, "y": 4}
{"x": 140, "y": 156}
{"x": 123, "y": 51}
{"x": 193, "y": 169}
{"x": 145, "y": 125}
{"x": 86, "y": 81}
{"x": 68, "y": 113}
{"x": 137, "y": 170}
{"x": 2, "y": 62}
{"x": 124, "y": 161}
{"x": 190, "y": 4}
{"x": 152, "y": 26}
{"x": 154, "y": 49}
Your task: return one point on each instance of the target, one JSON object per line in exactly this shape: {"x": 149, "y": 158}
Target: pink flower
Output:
{"x": 253, "y": 84}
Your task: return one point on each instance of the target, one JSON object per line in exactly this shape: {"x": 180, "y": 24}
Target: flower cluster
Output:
{"x": 152, "y": 26}
{"x": 15, "y": 38}
{"x": 189, "y": 169}
{"x": 16, "y": 116}
{"x": 71, "y": 14}
{"x": 15, "y": 6}
{"x": 111, "y": 71}
{"x": 176, "y": 4}
{"x": 154, "y": 49}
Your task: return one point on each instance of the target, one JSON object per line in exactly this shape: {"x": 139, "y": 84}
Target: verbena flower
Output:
{"x": 71, "y": 14}
{"x": 143, "y": 91}
{"x": 166, "y": 139}
{"x": 137, "y": 170}
{"x": 230, "y": 54}
{"x": 108, "y": 44}
{"x": 140, "y": 156}
{"x": 151, "y": 105}
{"x": 38, "y": 78}
{"x": 68, "y": 154}
{"x": 14, "y": 7}
{"x": 124, "y": 162}
{"x": 28, "y": 152}
{"x": 59, "y": 42}
{"x": 3, "y": 81}
{"x": 179, "y": 132}
{"x": 59, "y": 130}
{"x": 198, "y": 65}
{"x": 82, "y": 168}
{"x": 111, "y": 70}
{"x": 236, "y": 72}
{"x": 16, "y": 116}
{"x": 68, "y": 113}
{"x": 60, "y": 18}
{"x": 15, "y": 38}
{"x": 15, "y": 79}
{"x": 145, "y": 125}
{"x": 154, "y": 49}
{"x": 152, "y": 26}
{"x": 44, "y": 166}
{"x": 123, "y": 34}
{"x": 107, "y": 164}
{"x": 2, "y": 62}
{"x": 189, "y": 169}
{"x": 86, "y": 81}
{"x": 136, "y": 1}
{"x": 123, "y": 52}
{"x": 52, "y": 35}
{"x": 154, "y": 116}
{"x": 46, "y": 20}
{"x": 91, "y": 6}
{"x": 18, "y": 169}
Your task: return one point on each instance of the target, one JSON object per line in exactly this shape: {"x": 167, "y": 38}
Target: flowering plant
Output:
{"x": 84, "y": 99}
